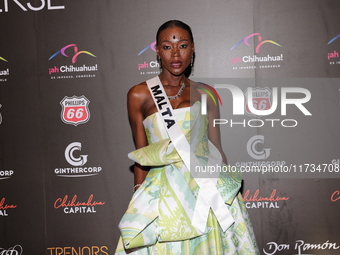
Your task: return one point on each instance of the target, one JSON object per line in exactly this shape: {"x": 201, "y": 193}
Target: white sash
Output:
{"x": 208, "y": 196}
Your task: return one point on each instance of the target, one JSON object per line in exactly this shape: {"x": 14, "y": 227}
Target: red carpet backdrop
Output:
{"x": 66, "y": 67}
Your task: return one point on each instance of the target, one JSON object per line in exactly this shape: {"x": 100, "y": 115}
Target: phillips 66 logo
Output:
{"x": 262, "y": 99}
{"x": 75, "y": 110}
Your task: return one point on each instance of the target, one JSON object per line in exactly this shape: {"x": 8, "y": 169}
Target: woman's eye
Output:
{"x": 183, "y": 46}
{"x": 166, "y": 47}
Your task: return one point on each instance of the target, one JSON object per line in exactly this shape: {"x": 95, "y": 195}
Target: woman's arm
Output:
{"x": 135, "y": 102}
{"x": 214, "y": 132}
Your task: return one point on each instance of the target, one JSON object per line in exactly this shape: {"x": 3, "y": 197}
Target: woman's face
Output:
{"x": 175, "y": 49}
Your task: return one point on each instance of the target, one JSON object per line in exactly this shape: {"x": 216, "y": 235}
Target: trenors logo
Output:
{"x": 75, "y": 110}
{"x": 75, "y": 51}
{"x": 259, "y": 40}
{"x": 152, "y": 46}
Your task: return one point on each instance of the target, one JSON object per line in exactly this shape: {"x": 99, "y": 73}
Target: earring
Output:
{"x": 159, "y": 62}
{"x": 192, "y": 65}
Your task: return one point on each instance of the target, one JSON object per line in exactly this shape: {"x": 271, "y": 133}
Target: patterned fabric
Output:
{"x": 158, "y": 219}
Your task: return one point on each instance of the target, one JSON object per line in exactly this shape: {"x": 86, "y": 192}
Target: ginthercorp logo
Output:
{"x": 259, "y": 58}
{"x": 88, "y": 250}
{"x": 15, "y": 250}
{"x": 72, "y": 71}
{"x": 262, "y": 102}
{"x": 258, "y": 200}
{"x": 74, "y": 156}
{"x": 148, "y": 66}
{"x": 75, "y": 110}
{"x": 74, "y": 205}
{"x": 44, "y": 4}
{"x": 69, "y": 155}
{"x": 334, "y": 56}
{"x": 6, "y": 174}
{"x": 257, "y": 150}
{"x": 254, "y": 148}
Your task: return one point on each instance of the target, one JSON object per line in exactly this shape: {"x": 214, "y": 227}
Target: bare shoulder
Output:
{"x": 139, "y": 91}
{"x": 201, "y": 87}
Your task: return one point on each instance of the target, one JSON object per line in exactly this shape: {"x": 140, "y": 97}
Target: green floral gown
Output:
{"x": 158, "y": 219}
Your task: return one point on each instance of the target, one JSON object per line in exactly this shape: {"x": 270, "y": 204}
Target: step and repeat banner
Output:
{"x": 66, "y": 67}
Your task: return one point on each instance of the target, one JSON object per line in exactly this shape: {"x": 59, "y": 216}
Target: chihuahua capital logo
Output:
{"x": 75, "y": 50}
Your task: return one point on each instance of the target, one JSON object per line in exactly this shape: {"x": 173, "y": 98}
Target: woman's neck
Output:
{"x": 172, "y": 80}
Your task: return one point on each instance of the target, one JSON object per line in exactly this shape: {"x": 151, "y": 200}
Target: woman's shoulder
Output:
{"x": 139, "y": 91}
{"x": 200, "y": 86}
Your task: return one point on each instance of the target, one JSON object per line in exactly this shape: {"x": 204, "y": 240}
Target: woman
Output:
{"x": 173, "y": 210}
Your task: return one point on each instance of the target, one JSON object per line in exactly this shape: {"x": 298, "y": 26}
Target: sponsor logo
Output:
{"x": 4, "y": 207}
{"x": 335, "y": 196}
{"x": 261, "y": 99}
{"x": 247, "y": 61}
{"x": 4, "y": 72}
{"x": 15, "y": 250}
{"x": 1, "y": 58}
{"x": 253, "y": 149}
{"x": 85, "y": 250}
{"x": 44, "y": 4}
{"x": 72, "y": 71}
{"x": 257, "y": 201}
{"x": 333, "y": 56}
{"x": 300, "y": 247}
{"x": 79, "y": 170}
{"x": 152, "y": 46}
{"x": 148, "y": 66}
{"x": 75, "y": 110}
{"x": 263, "y": 102}
{"x": 73, "y": 205}
{"x": 256, "y": 151}
{"x": 5, "y": 174}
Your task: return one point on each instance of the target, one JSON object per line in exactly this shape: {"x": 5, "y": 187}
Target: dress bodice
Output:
{"x": 193, "y": 124}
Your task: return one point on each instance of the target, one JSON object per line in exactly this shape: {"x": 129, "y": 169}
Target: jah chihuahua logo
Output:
{"x": 75, "y": 110}
{"x": 259, "y": 40}
{"x": 75, "y": 50}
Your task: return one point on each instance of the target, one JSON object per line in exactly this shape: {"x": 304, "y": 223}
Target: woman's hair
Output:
{"x": 174, "y": 23}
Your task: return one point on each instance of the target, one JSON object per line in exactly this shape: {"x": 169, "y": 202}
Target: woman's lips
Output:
{"x": 176, "y": 64}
